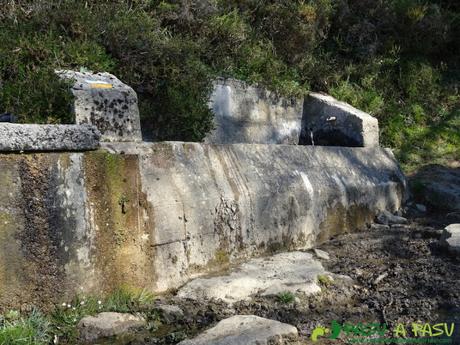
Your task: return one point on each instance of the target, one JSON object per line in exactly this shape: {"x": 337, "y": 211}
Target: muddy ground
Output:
{"x": 400, "y": 275}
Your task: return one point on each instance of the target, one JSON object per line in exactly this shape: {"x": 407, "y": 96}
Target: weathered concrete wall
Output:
{"x": 327, "y": 121}
{"x": 249, "y": 114}
{"x": 71, "y": 223}
{"x": 161, "y": 213}
{"x": 31, "y": 137}
{"x": 101, "y": 99}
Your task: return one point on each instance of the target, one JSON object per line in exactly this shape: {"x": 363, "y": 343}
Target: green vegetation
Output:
{"x": 396, "y": 59}
{"x": 32, "y": 330}
{"x": 286, "y": 297}
{"x": 324, "y": 280}
{"x": 37, "y": 329}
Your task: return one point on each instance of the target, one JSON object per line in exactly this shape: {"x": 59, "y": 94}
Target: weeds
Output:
{"x": 286, "y": 297}
{"x": 38, "y": 329}
{"x": 324, "y": 280}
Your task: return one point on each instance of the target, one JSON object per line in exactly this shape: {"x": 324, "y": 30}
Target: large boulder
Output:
{"x": 20, "y": 137}
{"x": 246, "y": 330}
{"x": 103, "y": 100}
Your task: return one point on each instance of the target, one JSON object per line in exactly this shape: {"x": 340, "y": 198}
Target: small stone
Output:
{"x": 109, "y": 324}
{"x": 380, "y": 278}
{"x": 321, "y": 254}
{"x": 379, "y": 227}
{"x": 387, "y": 218}
{"x": 421, "y": 208}
{"x": 450, "y": 238}
{"x": 400, "y": 226}
{"x": 247, "y": 330}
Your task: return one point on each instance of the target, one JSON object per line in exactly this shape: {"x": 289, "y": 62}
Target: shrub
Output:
{"x": 397, "y": 59}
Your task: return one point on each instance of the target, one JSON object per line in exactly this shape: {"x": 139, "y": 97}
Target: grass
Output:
{"x": 286, "y": 297}
{"x": 35, "y": 329}
{"x": 38, "y": 329}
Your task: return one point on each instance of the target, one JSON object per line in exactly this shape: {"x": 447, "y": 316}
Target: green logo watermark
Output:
{"x": 422, "y": 333}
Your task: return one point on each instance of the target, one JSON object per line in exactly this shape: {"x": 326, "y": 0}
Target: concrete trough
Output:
{"x": 155, "y": 215}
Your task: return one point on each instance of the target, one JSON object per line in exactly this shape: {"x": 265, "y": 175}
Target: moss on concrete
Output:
{"x": 114, "y": 193}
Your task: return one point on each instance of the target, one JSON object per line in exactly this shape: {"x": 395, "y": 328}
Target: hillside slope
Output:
{"x": 396, "y": 59}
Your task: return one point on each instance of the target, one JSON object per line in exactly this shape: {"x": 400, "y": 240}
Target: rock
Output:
{"x": 380, "y": 227}
{"x": 286, "y": 272}
{"x": 8, "y": 117}
{"x": 380, "y": 278}
{"x": 437, "y": 187}
{"x": 333, "y": 123}
{"x": 421, "y": 208}
{"x": 104, "y": 101}
{"x": 321, "y": 254}
{"x": 450, "y": 238}
{"x": 246, "y": 330}
{"x": 387, "y": 218}
{"x": 25, "y": 137}
{"x": 249, "y": 114}
{"x": 170, "y": 313}
{"x": 400, "y": 226}
{"x": 105, "y": 325}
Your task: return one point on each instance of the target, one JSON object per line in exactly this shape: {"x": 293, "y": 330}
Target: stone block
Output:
{"x": 103, "y": 100}
{"x": 450, "y": 238}
{"x": 329, "y": 122}
{"x": 27, "y": 137}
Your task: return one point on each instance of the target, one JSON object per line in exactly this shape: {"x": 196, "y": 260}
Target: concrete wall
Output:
{"x": 248, "y": 114}
{"x": 161, "y": 213}
{"x": 329, "y": 122}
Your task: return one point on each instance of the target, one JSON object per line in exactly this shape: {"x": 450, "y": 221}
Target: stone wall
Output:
{"x": 158, "y": 214}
